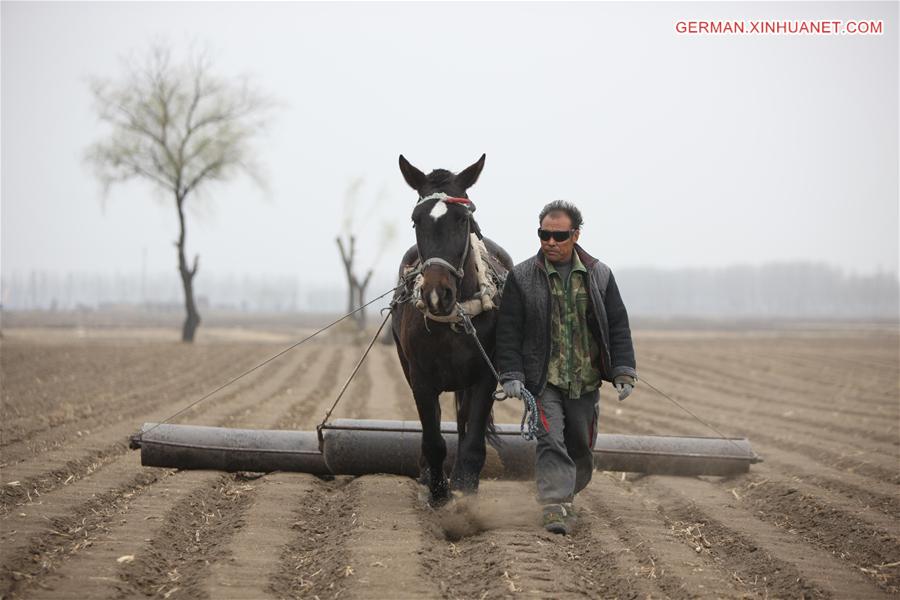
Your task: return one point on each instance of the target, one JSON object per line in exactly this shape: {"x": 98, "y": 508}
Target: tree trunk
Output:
{"x": 352, "y": 284}
{"x": 192, "y": 318}
{"x": 361, "y": 298}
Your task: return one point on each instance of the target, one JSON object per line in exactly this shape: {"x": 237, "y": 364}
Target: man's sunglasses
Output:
{"x": 559, "y": 236}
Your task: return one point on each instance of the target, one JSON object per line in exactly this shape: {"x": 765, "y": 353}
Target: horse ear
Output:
{"x": 469, "y": 175}
{"x": 414, "y": 177}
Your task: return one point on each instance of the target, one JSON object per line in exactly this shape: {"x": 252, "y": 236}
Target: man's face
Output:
{"x": 558, "y": 252}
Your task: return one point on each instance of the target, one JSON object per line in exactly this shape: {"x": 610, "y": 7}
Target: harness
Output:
{"x": 490, "y": 280}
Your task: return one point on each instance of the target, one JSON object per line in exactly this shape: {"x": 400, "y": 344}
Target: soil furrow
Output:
{"x": 134, "y": 404}
{"x": 842, "y": 399}
{"x": 615, "y": 569}
{"x": 34, "y": 547}
{"x": 195, "y": 533}
{"x": 386, "y": 544}
{"x": 244, "y": 568}
{"x": 811, "y": 444}
{"x": 659, "y": 558}
{"x": 817, "y": 519}
{"x": 358, "y": 398}
{"x": 859, "y": 495}
{"x": 760, "y": 552}
{"x": 301, "y": 414}
{"x": 282, "y": 391}
{"x": 69, "y": 498}
{"x": 826, "y": 527}
{"x": 788, "y": 420}
{"x": 533, "y": 556}
{"x": 460, "y": 560}
{"x": 874, "y": 367}
{"x": 316, "y": 561}
{"x": 122, "y": 540}
{"x": 191, "y": 484}
{"x": 404, "y": 404}
{"x": 251, "y": 560}
{"x": 34, "y": 474}
{"x": 89, "y": 396}
{"x": 778, "y": 358}
{"x": 65, "y": 366}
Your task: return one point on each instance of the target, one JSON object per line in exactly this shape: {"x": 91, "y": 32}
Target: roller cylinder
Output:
{"x": 673, "y": 455}
{"x": 360, "y": 447}
{"x": 226, "y": 449}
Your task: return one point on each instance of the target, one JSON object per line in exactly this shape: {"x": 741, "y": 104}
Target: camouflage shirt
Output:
{"x": 573, "y": 350}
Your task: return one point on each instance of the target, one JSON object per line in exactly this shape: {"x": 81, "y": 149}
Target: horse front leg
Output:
{"x": 434, "y": 448}
{"x": 472, "y": 451}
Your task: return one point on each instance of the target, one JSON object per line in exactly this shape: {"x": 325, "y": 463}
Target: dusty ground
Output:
{"x": 80, "y": 518}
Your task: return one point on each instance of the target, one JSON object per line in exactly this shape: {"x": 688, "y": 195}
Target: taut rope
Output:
{"x": 136, "y": 439}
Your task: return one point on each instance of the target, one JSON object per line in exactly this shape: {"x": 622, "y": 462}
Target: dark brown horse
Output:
{"x": 451, "y": 268}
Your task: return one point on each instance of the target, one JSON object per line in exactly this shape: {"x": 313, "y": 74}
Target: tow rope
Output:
{"x": 136, "y": 439}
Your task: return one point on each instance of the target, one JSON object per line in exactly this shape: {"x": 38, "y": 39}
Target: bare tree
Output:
{"x": 179, "y": 127}
{"x": 346, "y": 241}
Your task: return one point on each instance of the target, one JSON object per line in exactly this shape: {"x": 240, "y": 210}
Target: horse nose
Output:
{"x": 447, "y": 299}
{"x": 441, "y": 299}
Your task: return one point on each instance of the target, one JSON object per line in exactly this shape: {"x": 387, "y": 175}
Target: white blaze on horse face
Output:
{"x": 433, "y": 298}
{"x": 438, "y": 210}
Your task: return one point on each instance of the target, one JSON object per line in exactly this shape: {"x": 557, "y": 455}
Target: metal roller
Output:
{"x": 226, "y": 449}
{"x": 673, "y": 455}
{"x": 359, "y": 447}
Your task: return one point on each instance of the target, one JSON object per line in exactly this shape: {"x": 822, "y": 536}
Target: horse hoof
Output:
{"x": 465, "y": 486}
{"x": 439, "y": 497}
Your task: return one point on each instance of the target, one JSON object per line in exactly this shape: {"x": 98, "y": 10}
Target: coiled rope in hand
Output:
{"x": 529, "y": 426}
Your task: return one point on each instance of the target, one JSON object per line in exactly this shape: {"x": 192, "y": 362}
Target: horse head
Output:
{"x": 443, "y": 222}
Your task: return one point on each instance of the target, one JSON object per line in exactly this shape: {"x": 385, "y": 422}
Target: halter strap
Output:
{"x": 440, "y": 261}
{"x": 448, "y": 199}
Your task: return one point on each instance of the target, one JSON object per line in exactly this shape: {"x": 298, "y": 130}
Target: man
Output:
{"x": 563, "y": 329}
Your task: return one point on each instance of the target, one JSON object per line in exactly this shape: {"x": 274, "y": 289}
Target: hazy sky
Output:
{"x": 680, "y": 150}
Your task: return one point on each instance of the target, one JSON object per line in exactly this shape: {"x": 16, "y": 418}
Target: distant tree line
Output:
{"x": 782, "y": 290}
{"x": 798, "y": 289}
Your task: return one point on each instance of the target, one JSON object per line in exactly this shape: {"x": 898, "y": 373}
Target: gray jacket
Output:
{"x": 523, "y": 330}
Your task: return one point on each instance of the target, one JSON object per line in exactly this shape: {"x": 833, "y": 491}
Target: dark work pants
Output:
{"x": 564, "y": 461}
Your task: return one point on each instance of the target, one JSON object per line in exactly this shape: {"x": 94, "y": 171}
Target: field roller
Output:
{"x": 360, "y": 447}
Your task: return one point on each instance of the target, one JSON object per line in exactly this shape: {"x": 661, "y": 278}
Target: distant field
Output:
{"x": 820, "y": 518}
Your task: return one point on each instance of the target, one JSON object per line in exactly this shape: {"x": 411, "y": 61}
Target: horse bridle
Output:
{"x": 434, "y": 260}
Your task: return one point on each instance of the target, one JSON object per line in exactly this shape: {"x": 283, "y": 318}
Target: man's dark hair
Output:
{"x": 563, "y": 206}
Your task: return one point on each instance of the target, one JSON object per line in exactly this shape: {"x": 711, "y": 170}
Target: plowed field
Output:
{"x": 80, "y": 518}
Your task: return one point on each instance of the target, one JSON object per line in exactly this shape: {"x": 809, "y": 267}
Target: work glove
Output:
{"x": 624, "y": 385}
{"x": 513, "y": 388}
